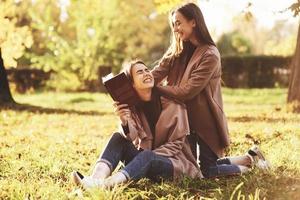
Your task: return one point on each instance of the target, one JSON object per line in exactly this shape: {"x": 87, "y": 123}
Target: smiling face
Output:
{"x": 142, "y": 77}
{"x": 183, "y": 27}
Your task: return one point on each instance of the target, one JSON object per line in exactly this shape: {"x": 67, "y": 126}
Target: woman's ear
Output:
{"x": 193, "y": 23}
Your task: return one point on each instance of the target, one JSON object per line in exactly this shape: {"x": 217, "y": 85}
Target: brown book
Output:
{"x": 120, "y": 89}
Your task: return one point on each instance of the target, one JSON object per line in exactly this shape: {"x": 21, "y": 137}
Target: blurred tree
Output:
{"x": 5, "y": 94}
{"x": 294, "y": 84}
{"x": 234, "y": 43}
{"x": 78, "y": 45}
{"x": 164, "y": 6}
{"x": 246, "y": 25}
{"x": 281, "y": 39}
{"x": 14, "y": 38}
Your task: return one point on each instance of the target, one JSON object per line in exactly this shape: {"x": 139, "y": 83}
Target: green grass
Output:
{"x": 39, "y": 149}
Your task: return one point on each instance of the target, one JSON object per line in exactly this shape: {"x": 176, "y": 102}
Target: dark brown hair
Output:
{"x": 127, "y": 69}
{"x": 191, "y": 12}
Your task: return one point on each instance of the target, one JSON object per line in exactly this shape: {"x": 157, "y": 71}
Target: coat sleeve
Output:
{"x": 199, "y": 78}
{"x": 130, "y": 131}
{"x": 161, "y": 70}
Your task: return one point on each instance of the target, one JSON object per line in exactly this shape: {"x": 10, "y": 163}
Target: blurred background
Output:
{"x": 68, "y": 45}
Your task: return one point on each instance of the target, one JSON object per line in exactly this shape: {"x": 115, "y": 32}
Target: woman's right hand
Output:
{"x": 122, "y": 110}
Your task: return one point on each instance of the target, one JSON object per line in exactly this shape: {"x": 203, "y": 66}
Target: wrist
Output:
{"x": 124, "y": 122}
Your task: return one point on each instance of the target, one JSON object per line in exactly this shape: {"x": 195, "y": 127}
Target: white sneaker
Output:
{"x": 258, "y": 158}
{"x": 263, "y": 164}
{"x": 76, "y": 177}
{"x": 87, "y": 181}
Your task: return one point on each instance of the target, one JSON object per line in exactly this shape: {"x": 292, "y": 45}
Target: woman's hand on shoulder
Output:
{"x": 123, "y": 111}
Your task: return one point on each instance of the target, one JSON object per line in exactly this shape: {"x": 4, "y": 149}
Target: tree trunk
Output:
{"x": 294, "y": 84}
{"x": 5, "y": 94}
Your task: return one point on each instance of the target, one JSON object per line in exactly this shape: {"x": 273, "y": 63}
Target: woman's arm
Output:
{"x": 128, "y": 126}
{"x": 197, "y": 81}
{"x": 129, "y": 131}
{"x": 160, "y": 71}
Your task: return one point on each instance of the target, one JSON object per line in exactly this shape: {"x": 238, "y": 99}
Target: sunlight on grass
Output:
{"x": 38, "y": 150}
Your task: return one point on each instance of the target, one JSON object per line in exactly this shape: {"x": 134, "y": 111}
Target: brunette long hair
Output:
{"x": 191, "y": 12}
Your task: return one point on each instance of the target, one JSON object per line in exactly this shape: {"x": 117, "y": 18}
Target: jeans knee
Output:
{"x": 147, "y": 155}
{"x": 116, "y": 136}
{"x": 116, "y": 139}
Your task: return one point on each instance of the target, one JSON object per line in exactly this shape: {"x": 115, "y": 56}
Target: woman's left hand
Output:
{"x": 123, "y": 112}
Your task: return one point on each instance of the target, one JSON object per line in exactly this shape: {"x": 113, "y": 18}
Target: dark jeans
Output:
{"x": 138, "y": 163}
{"x": 210, "y": 165}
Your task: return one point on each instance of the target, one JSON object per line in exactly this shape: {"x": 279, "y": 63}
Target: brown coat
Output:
{"x": 199, "y": 86}
{"x": 170, "y": 137}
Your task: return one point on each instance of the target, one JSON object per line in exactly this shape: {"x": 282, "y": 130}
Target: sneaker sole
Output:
{"x": 76, "y": 179}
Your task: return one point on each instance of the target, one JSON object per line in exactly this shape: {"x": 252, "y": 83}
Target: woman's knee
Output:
{"x": 116, "y": 139}
{"x": 147, "y": 155}
{"x": 149, "y": 158}
{"x": 117, "y": 136}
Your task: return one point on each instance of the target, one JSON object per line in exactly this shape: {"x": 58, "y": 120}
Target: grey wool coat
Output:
{"x": 198, "y": 84}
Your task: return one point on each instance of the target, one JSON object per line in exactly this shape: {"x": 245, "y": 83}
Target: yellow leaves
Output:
{"x": 164, "y": 6}
{"x": 7, "y": 9}
{"x": 285, "y": 47}
{"x": 13, "y": 39}
{"x": 28, "y": 41}
{"x": 295, "y": 8}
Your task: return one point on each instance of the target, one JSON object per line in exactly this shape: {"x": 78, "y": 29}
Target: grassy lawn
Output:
{"x": 39, "y": 148}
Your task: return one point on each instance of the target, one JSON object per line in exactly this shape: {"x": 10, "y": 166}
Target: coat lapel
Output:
{"x": 195, "y": 57}
{"x": 145, "y": 125}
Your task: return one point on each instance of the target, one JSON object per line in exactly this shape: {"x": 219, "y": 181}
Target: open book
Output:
{"x": 120, "y": 89}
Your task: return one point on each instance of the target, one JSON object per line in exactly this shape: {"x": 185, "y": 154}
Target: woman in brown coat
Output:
{"x": 192, "y": 67}
{"x": 151, "y": 143}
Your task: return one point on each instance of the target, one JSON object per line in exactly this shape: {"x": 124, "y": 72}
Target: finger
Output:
{"x": 115, "y": 104}
{"x": 121, "y": 106}
{"x": 122, "y": 113}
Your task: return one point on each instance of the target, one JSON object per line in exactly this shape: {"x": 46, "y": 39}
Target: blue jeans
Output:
{"x": 210, "y": 165}
{"x": 138, "y": 163}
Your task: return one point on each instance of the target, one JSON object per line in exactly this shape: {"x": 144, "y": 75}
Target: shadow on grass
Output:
{"x": 81, "y": 99}
{"x": 261, "y": 119}
{"x": 43, "y": 110}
